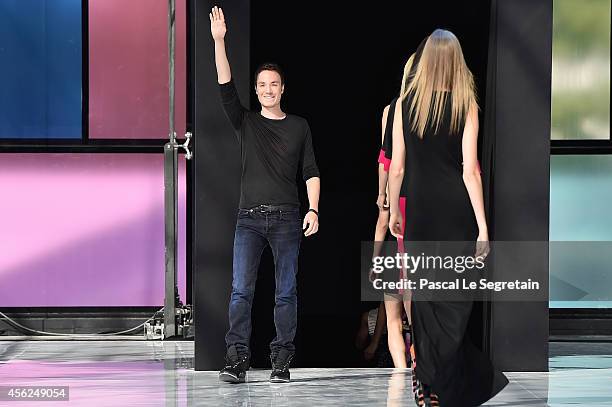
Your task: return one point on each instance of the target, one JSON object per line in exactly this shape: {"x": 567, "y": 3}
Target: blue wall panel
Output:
{"x": 40, "y": 69}
{"x": 581, "y": 231}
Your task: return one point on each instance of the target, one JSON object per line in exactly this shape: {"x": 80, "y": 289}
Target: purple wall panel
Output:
{"x": 85, "y": 230}
{"x": 128, "y": 69}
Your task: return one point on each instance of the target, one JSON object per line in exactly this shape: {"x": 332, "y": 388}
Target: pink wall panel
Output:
{"x": 128, "y": 69}
{"x": 85, "y": 230}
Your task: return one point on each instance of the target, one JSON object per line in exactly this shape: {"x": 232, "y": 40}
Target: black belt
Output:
{"x": 273, "y": 208}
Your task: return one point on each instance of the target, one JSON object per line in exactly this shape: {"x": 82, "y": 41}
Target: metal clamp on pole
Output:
{"x": 185, "y": 145}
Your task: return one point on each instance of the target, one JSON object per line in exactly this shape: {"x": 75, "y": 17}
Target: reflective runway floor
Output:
{"x": 138, "y": 373}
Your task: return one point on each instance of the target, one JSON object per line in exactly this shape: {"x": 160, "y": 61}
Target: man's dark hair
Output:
{"x": 269, "y": 66}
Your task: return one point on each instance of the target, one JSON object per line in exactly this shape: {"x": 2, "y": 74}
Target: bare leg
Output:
{"x": 397, "y": 346}
{"x": 382, "y": 226}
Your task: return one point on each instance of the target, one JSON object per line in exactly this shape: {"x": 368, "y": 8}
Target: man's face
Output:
{"x": 269, "y": 88}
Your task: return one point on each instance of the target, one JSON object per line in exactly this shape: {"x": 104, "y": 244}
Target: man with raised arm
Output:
{"x": 273, "y": 147}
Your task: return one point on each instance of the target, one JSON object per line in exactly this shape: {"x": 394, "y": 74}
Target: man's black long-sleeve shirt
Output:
{"x": 272, "y": 150}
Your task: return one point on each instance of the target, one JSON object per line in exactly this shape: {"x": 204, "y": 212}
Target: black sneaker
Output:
{"x": 280, "y": 366}
{"x": 235, "y": 366}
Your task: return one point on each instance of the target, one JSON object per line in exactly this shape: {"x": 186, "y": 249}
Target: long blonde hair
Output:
{"x": 439, "y": 69}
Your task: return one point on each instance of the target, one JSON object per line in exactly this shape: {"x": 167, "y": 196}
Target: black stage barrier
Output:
{"x": 516, "y": 157}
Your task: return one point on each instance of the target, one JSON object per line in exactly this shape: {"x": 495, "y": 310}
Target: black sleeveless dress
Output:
{"x": 385, "y": 156}
{"x": 438, "y": 208}
{"x": 386, "y": 149}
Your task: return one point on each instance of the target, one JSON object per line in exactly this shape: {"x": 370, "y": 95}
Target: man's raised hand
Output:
{"x": 217, "y": 24}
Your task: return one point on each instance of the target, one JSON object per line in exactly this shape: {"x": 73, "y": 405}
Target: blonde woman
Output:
{"x": 435, "y": 133}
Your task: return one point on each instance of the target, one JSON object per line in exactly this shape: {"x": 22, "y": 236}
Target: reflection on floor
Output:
{"x": 133, "y": 373}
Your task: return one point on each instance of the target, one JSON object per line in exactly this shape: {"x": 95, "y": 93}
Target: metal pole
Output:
{"x": 170, "y": 192}
{"x": 171, "y": 52}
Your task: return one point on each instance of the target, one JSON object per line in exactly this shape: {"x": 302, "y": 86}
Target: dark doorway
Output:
{"x": 343, "y": 65}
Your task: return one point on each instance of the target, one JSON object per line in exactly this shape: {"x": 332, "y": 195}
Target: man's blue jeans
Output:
{"x": 280, "y": 227}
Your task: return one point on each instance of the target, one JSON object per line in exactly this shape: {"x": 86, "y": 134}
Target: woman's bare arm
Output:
{"x": 396, "y": 172}
{"x": 471, "y": 175}
{"x": 383, "y": 176}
